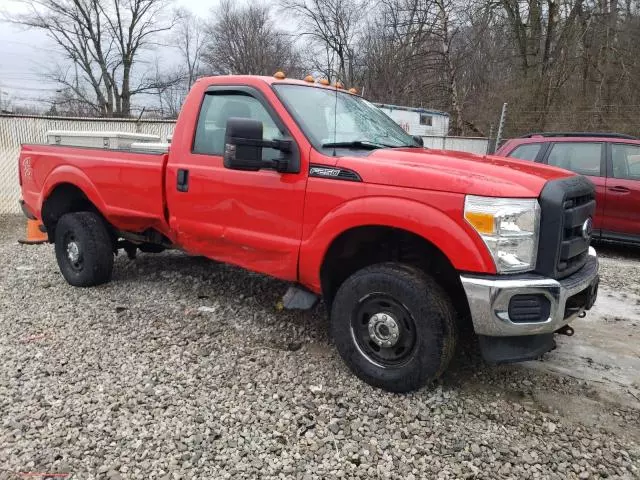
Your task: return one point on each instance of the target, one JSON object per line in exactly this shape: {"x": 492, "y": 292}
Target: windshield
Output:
{"x": 343, "y": 119}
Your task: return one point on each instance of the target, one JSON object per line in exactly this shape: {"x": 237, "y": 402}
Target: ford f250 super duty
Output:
{"x": 312, "y": 184}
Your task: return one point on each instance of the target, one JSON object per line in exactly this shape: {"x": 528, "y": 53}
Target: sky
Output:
{"x": 26, "y": 54}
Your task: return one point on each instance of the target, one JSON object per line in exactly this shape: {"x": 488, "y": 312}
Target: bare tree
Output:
{"x": 563, "y": 64}
{"x": 67, "y": 103}
{"x": 393, "y": 52}
{"x": 170, "y": 90}
{"x": 333, "y": 26}
{"x": 412, "y": 54}
{"x": 541, "y": 31}
{"x": 189, "y": 38}
{"x": 245, "y": 40}
{"x": 560, "y": 64}
{"x": 103, "y": 39}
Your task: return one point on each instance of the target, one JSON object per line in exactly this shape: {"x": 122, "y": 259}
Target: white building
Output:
{"x": 418, "y": 121}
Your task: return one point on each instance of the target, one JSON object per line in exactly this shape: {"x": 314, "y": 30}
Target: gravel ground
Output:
{"x": 184, "y": 368}
{"x": 620, "y": 267}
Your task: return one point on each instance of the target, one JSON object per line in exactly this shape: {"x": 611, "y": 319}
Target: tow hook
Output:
{"x": 566, "y": 330}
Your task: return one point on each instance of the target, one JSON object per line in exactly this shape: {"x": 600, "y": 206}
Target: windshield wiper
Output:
{"x": 364, "y": 144}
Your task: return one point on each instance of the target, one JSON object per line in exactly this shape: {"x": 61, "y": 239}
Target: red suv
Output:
{"x": 611, "y": 161}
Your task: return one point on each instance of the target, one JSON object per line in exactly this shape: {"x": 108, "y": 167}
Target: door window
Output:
{"x": 626, "y": 161}
{"x": 583, "y": 158}
{"x": 528, "y": 151}
{"x": 212, "y": 122}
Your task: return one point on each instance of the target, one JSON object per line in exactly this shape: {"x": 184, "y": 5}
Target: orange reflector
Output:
{"x": 279, "y": 75}
{"x": 323, "y": 81}
{"x": 309, "y": 79}
{"x": 482, "y": 222}
{"x": 353, "y": 90}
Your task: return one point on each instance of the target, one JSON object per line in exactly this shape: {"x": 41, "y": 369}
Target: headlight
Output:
{"x": 509, "y": 228}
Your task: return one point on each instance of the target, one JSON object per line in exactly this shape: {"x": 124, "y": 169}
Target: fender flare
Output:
{"x": 462, "y": 246}
{"x": 76, "y": 177}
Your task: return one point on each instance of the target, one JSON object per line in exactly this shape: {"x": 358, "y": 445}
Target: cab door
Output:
{"x": 250, "y": 219}
{"x": 622, "y": 213}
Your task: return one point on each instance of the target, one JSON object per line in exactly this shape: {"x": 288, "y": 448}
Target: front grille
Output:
{"x": 574, "y": 247}
{"x": 565, "y": 206}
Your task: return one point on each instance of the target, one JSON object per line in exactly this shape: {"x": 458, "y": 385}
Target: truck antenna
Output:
{"x": 335, "y": 117}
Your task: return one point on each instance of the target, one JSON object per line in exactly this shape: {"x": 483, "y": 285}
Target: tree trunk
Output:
{"x": 125, "y": 92}
{"x": 454, "y": 99}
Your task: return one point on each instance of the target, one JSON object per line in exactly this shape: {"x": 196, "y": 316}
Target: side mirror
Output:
{"x": 419, "y": 140}
{"x": 243, "y": 144}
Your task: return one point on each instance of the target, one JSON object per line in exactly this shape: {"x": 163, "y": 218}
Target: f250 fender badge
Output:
{"x": 323, "y": 171}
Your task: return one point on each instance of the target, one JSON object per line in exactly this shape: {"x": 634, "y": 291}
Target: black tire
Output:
{"x": 422, "y": 320}
{"x": 84, "y": 249}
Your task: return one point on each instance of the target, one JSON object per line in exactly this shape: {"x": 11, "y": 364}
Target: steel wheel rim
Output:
{"x": 73, "y": 252}
{"x": 373, "y": 334}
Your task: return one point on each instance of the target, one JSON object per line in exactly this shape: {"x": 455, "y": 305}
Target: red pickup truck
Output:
{"x": 312, "y": 184}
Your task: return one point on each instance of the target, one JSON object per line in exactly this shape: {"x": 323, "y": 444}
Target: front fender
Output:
{"x": 76, "y": 177}
{"x": 456, "y": 240}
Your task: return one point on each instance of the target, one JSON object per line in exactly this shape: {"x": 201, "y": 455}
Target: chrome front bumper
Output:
{"x": 489, "y": 297}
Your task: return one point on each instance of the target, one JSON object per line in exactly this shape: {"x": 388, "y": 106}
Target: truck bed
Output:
{"x": 127, "y": 186}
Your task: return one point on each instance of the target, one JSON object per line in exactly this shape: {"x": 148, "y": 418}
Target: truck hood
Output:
{"x": 449, "y": 171}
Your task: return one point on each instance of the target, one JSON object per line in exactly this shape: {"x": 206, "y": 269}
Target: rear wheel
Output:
{"x": 84, "y": 249}
{"x": 394, "y": 326}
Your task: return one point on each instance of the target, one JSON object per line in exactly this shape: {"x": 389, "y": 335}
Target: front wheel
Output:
{"x": 84, "y": 249}
{"x": 394, "y": 326}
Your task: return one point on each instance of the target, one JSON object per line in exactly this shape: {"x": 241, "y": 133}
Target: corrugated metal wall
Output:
{"x": 15, "y": 130}
{"x": 477, "y": 145}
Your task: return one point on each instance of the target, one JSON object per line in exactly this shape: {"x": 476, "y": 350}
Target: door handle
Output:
{"x": 182, "y": 183}
{"x": 619, "y": 189}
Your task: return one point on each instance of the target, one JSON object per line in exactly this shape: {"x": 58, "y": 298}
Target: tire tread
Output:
{"x": 98, "y": 248}
{"x": 437, "y": 305}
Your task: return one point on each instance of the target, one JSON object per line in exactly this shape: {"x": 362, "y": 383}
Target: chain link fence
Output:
{"x": 16, "y": 130}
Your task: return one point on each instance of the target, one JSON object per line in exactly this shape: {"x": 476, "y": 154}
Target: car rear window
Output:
{"x": 528, "y": 151}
